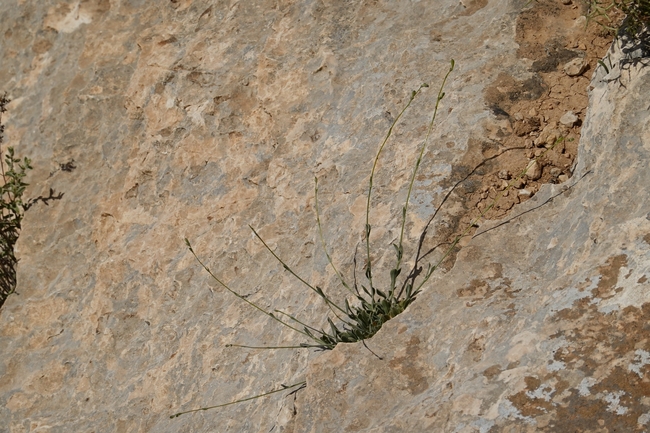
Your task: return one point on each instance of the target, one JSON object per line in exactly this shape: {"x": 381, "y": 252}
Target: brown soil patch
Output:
{"x": 528, "y": 121}
{"x": 530, "y": 115}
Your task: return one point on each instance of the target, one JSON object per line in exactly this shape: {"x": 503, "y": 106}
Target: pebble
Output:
{"x": 550, "y": 140}
{"x": 569, "y": 119}
{"x": 547, "y": 136}
{"x": 581, "y": 23}
{"x": 504, "y": 174}
{"x": 533, "y": 170}
{"x": 575, "y": 67}
{"x": 566, "y": 2}
{"x": 562, "y": 178}
{"x": 519, "y": 183}
{"x": 525, "y": 193}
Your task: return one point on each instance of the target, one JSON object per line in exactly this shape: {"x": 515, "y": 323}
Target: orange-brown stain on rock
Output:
{"x": 476, "y": 348}
{"x": 604, "y": 382}
{"x": 482, "y": 289}
{"x": 492, "y": 372}
{"x": 607, "y": 285}
{"x": 646, "y": 238}
{"x": 530, "y": 405}
{"x": 408, "y": 365}
{"x": 475, "y": 288}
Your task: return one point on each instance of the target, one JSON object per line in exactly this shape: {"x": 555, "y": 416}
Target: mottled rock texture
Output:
{"x": 542, "y": 327}
{"x": 171, "y": 119}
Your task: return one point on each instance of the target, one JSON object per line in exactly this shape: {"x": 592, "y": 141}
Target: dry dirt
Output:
{"x": 528, "y": 123}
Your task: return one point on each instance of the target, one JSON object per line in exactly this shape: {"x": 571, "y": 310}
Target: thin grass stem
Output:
{"x": 254, "y": 305}
{"x": 301, "y": 346}
{"x": 322, "y": 239}
{"x": 298, "y": 321}
{"x": 315, "y": 289}
{"x": 367, "y": 230}
{"x": 284, "y": 388}
{"x": 400, "y": 250}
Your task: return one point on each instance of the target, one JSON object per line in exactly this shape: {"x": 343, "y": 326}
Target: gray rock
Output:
{"x": 569, "y": 119}
{"x": 576, "y": 67}
{"x": 192, "y": 120}
{"x": 189, "y": 119}
{"x": 533, "y": 170}
{"x": 550, "y": 325}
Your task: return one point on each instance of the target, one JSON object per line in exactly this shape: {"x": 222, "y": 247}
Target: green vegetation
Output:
{"x": 13, "y": 171}
{"x": 607, "y": 14}
{"x": 367, "y": 307}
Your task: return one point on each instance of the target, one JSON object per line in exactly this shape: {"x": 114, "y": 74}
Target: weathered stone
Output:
{"x": 548, "y": 334}
{"x": 193, "y": 119}
{"x": 533, "y": 170}
{"x": 568, "y": 119}
{"x": 576, "y": 67}
{"x": 548, "y": 135}
{"x": 190, "y": 119}
{"x": 525, "y": 192}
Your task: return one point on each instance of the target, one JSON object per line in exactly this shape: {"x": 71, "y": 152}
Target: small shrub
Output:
{"x": 13, "y": 171}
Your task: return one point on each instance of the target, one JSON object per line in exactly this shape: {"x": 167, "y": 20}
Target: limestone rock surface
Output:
{"x": 542, "y": 327}
{"x": 166, "y": 120}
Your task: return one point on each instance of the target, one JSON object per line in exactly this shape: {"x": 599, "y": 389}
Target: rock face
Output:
{"x": 540, "y": 328}
{"x": 160, "y": 121}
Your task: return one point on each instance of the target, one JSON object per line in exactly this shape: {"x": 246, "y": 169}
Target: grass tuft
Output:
{"x": 367, "y": 307}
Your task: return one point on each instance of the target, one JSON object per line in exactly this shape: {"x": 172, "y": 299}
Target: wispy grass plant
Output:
{"x": 367, "y": 307}
{"x": 364, "y": 310}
